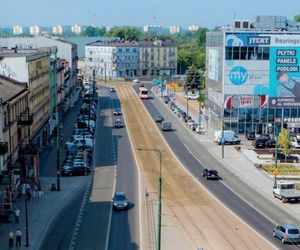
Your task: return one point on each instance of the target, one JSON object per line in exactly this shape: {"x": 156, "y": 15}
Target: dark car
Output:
{"x": 259, "y": 143}
{"x": 66, "y": 170}
{"x": 264, "y": 137}
{"x": 210, "y": 174}
{"x": 271, "y": 143}
{"x": 288, "y": 158}
{"x": 250, "y": 135}
{"x": 120, "y": 201}
{"x": 159, "y": 118}
{"x": 167, "y": 99}
{"x": 118, "y": 124}
{"x": 117, "y": 112}
{"x": 112, "y": 90}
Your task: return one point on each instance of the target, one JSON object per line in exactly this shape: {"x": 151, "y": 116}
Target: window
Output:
{"x": 266, "y": 53}
{"x": 228, "y": 55}
{"x": 127, "y": 50}
{"x": 244, "y": 55}
{"x": 236, "y": 53}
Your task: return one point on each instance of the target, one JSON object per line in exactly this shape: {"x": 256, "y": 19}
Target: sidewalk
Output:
{"x": 42, "y": 211}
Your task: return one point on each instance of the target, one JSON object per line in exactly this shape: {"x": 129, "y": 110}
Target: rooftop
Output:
{"x": 10, "y": 88}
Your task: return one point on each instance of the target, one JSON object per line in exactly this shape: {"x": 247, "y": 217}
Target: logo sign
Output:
{"x": 258, "y": 40}
{"x": 238, "y": 75}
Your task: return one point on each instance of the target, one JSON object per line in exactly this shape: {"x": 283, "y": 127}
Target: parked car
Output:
{"x": 295, "y": 141}
{"x": 264, "y": 137}
{"x": 118, "y": 124}
{"x": 210, "y": 174}
{"x": 271, "y": 143}
{"x": 288, "y": 158}
{"x": 167, "y": 99}
{"x": 259, "y": 143}
{"x": 112, "y": 90}
{"x": 136, "y": 81}
{"x": 117, "y": 112}
{"x": 250, "y": 135}
{"x": 120, "y": 201}
{"x": 287, "y": 233}
{"x": 79, "y": 170}
{"x": 159, "y": 118}
{"x": 66, "y": 170}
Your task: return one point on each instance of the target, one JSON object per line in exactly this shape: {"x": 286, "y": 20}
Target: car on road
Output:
{"x": 259, "y": 143}
{"x": 159, "y": 118}
{"x": 210, "y": 174}
{"x": 295, "y": 141}
{"x": 112, "y": 90}
{"x": 79, "y": 170}
{"x": 194, "y": 96}
{"x": 136, "y": 81}
{"x": 118, "y": 124}
{"x": 250, "y": 135}
{"x": 287, "y": 233}
{"x": 66, "y": 170}
{"x": 288, "y": 158}
{"x": 120, "y": 201}
{"x": 117, "y": 112}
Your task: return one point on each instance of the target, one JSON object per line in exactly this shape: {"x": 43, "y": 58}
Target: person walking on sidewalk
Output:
{"x": 17, "y": 215}
{"x": 11, "y": 239}
{"x": 18, "y": 237}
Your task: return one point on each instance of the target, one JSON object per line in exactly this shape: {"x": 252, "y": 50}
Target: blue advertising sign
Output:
{"x": 284, "y": 72}
{"x": 247, "y": 40}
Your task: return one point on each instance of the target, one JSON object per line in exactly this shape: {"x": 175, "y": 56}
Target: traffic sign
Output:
{"x": 275, "y": 171}
{"x": 206, "y": 118}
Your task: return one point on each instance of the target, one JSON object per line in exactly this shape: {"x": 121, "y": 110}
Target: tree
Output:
{"x": 126, "y": 33}
{"x": 297, "y": 18}
{"x": 193, "y": 79}
{"x": 284, "y": 142}
{"x": 92, "y": 31}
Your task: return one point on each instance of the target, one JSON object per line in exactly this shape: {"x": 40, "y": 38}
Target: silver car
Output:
{"x": 120, "y": 201}
{"x": 287, "y": 233}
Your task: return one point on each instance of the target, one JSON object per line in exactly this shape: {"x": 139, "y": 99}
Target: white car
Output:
{"x": 296, "y": 142}
{"x": 136, "y": 81}
{"x": 192, "y": 96}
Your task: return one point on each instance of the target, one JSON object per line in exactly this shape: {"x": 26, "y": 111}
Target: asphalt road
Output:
{"x": 124, "y": 233}
{"x": 184, "y": 144}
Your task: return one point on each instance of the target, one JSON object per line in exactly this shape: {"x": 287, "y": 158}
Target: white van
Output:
{"x": 230, "y": 137}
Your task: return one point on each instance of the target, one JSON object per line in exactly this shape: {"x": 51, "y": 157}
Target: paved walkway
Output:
{"x": 43, "y": 210}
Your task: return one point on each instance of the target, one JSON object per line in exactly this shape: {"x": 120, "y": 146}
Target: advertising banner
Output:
{"x": 246, "y": 77}
{"x": 245, "y": 101}
{"x": 213, "y": 64}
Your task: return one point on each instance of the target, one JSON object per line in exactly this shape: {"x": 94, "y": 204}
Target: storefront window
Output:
{"x": 293, "y": 113}
{"x": 286, "y": 113}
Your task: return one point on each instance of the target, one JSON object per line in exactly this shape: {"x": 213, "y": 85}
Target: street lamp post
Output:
{"x": 222, "y": 138}
{"x": 159, "y": 196}
{"x": 57, "y": 133}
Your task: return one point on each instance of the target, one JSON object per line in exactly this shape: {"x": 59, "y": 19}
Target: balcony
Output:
{"x": 28, "y": 149}
{"x": 3, "y": 148}
{"x": 25, "y": 119}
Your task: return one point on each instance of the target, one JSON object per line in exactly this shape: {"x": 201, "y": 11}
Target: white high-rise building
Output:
{"x": 34, "y": 30}
{"x": 76, "y": 29}
{"x": 18, "y": 30}
{"x": 57, "y": 30}
{"x": 193, "y": 28}
{"x": 175, "y": 29}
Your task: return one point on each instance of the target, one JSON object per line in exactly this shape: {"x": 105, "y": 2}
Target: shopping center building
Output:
{"x": 253, "y": 78}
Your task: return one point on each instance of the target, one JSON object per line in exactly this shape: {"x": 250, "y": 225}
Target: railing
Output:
{"x": 25, "y": 119}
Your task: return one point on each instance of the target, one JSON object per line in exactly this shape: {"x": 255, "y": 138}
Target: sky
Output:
{"x": 204, "y": 13}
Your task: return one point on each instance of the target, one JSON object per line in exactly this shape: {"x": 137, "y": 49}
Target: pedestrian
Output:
{"x": 28, "y": 193}
{"x": 17, "y": 215}
{"x": 11, "y": 239}
{"x": 18, "y": 237}
{"x": 40, "y": 191}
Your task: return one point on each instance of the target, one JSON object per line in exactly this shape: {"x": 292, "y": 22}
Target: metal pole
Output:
{"x": 159, "y": 204}
{"x": 105, "y": 72}
{"x": 26, "y": 208}
{"x": 276, "y": 158}
{"x": 159, "y": 196}
{"x": 222, "y": 139}
{"x": 57, "y": 132}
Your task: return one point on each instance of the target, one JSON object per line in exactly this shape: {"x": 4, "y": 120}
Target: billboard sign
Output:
{"x": 245, "y": 101}
{"x": 213, "y": 64}
{"x": 243, "y": 77}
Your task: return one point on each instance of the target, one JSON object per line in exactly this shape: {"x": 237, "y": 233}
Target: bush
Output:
{"x": 284, "y": 169}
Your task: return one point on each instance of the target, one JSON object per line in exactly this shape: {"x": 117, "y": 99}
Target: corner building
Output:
{"x": 253, "y": 80}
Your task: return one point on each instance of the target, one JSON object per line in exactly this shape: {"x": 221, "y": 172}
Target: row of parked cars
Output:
{"x": 79, "y": 149}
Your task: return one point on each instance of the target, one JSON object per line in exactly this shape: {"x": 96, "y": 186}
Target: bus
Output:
{"x": 143, "y": 93}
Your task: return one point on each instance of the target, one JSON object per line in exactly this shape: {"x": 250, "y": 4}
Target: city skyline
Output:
{"x": 121, "y": 13}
